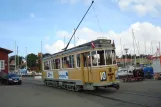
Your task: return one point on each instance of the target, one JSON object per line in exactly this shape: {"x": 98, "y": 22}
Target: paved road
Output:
{"x": 35, "y": 94}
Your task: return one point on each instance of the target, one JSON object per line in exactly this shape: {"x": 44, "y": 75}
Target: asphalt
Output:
{"x": 33, "y": 93}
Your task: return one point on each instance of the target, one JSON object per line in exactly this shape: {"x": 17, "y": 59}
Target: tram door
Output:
{"x": 86, "y": 67}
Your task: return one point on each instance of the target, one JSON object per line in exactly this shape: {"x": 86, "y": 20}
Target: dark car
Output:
{"x": 13, "y": 79}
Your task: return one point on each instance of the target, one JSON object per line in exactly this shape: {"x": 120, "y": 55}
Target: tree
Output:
{"x": 19, "y": 62}
{"x": 31, "y": 60}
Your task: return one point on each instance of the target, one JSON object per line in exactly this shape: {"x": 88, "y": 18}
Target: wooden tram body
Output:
{"x": 82, "y": 67}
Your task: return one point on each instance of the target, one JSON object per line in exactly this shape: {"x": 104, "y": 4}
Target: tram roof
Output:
{"x": 97, "y": 43}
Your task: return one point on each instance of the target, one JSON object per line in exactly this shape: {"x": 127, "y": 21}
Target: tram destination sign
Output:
{"x": 105, "y": 41}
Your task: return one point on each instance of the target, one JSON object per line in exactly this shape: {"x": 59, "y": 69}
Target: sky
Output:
{"x": 28, "y": 22}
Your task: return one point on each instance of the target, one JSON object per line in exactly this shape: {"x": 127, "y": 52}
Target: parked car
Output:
{"x": 12, "y": 78}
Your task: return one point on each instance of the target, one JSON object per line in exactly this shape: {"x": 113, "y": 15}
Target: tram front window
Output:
{"x": 114, "y": 56}
{"x": 108, "y": 57}
{"x": 98, "y": 55}
{"x": 94, "y": 58}
{"x": 101, "y": 59}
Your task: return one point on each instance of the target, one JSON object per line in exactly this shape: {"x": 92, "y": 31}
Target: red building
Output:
{"x": 4, "y": 60}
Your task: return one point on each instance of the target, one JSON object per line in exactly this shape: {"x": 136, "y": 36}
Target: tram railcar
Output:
{"x": 84, "y": 67}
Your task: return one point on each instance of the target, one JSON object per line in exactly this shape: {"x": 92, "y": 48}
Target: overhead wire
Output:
{"x": 97, "y": 20}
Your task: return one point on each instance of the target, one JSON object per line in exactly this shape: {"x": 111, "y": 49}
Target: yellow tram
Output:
{"x": 84, "y": 67}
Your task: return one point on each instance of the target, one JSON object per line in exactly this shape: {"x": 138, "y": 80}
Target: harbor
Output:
{"x": 80, "y": 53}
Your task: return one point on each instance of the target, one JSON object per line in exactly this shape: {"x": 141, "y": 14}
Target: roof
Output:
{"x": 97, "y": 43}
{"x": 5, "y": 50}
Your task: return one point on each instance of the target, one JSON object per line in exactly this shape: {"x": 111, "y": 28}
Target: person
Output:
{"x": 94, "y": 61}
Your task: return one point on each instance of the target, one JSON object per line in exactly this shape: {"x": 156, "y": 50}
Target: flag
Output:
{"x": 93, "y": 45}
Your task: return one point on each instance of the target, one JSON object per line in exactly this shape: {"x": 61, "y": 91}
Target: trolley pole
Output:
{"x": 74, "y": 39}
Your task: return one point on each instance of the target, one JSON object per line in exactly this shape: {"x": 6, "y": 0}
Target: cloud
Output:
{"x": 144, "y": 32}
{"x": 32, "y": 15}
{"x": 56, "y": 47}
{"x": 141, "y": 7}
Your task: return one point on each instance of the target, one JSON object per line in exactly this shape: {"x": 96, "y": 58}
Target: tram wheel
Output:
{"x": 117, "y": 86}
{"x": 76, "y": 88}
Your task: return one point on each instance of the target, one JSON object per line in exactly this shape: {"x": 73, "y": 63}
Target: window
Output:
{"x": 68, "y": 62}
{"x": 108, "y": 57}
{"x": 94, "y": 58}
{"x": 2, "y": 65}
{"x": 53, "y": 65}
{"x": 114, "y": 56}
{"x": 100, "y": 56}
{"x": 46, "y": 65}
{"x": 71, "y": 61}
{"x": 78, "y": 60}
{"x": 57, "y": 63}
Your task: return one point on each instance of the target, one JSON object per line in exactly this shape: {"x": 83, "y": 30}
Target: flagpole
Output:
{"x": 15, "y": 56}
{"x": 17, "y": 59}
{"x": 26, "y": 58}
{"x": 41, "y": 58}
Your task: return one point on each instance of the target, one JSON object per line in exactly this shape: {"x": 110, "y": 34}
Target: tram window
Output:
{"x": 68, "y": 62}
{"x": 101, "y": 59}
{"x": 63, "y": 62}
{"x": 94, "y": 58}
{"x": 46, "y": 65}
{"x": 78, "y": 60}
{"x": 53, "y": 62}
{"x": 114, "y": 56}
{"x": 57, "y": 63}
{"x": 108, "y": 57}
{"x": 71, "y": 61}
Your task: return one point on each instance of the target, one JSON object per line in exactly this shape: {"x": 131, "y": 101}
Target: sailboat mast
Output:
{"x": 134, "y": 46}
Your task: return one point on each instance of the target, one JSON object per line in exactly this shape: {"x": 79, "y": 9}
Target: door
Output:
{"x": 86, "y": 67}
